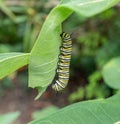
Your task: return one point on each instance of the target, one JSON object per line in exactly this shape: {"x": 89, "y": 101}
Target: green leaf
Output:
{"x": 44, "y": 113}
{"x": 9, "y": 117}
{"x": 9, "y": 62}
{"x": 88, "y": 7}
{"x": 44, "y": 55}
{"x": 111, "y": 73}
{"x": 92, "y": 112}
{"x": 40, "y": 91}
{"x": 6, "y": 10}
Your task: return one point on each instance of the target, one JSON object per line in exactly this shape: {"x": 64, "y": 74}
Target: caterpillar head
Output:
{"x": 64, "y": 35}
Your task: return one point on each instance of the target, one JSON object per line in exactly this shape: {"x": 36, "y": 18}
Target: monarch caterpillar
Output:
{"x": 63, "y": 63}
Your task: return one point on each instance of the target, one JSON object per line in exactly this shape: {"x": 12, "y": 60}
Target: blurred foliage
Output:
{"x": 96, "y": 41}
{"x": 44, "y": 113}
{"x": 9, "y": 118}
{"x": 6, "y": 83}
{"x": 20, "y": 23}
{"x": 111, "y": 73}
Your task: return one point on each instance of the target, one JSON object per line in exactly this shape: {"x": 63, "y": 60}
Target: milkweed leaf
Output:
{"x": 9, "y": 62}
{"x": 100, "y": 111}
{"x": 44, "y": 55}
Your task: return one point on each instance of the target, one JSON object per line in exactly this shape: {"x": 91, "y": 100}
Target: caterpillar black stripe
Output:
{"x": 63, "y": 63}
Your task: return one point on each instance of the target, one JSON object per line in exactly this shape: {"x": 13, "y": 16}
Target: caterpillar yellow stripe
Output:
{"x": 63, "y": 63}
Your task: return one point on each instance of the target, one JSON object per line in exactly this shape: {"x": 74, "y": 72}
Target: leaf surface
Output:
{"x": 9, "y": 62}
{"x": 100, "y": 111}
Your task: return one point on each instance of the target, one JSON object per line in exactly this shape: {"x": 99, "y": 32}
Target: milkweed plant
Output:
{"x": 42, "y": 63}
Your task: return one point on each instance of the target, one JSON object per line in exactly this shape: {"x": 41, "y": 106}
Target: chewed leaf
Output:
{"x": 44, "y": 55}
